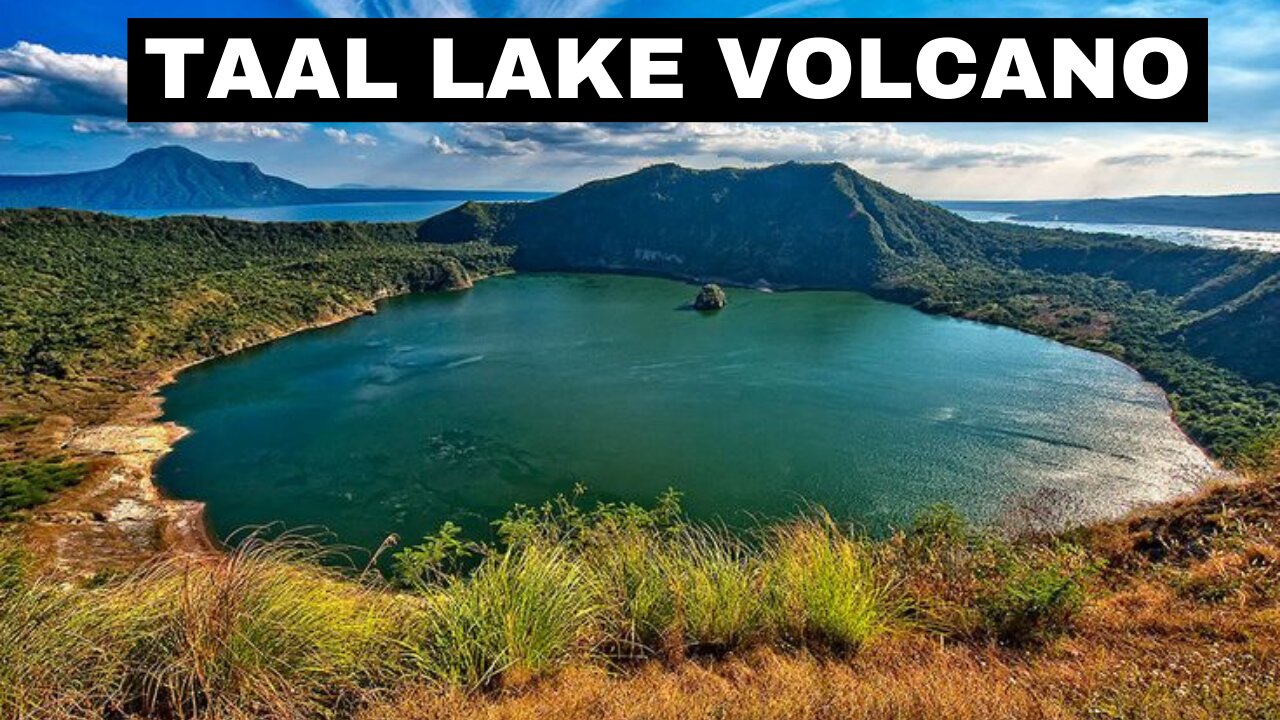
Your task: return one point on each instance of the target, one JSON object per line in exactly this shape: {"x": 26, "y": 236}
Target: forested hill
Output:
{"x": 1257, "y": 211}
{"x": 173, "y": 177}
{"x": 1199, "y": 321}
{"x": 788, "y": 225}
{"x": 89, "y": 295}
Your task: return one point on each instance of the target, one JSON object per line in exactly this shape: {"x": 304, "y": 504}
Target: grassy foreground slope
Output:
{"x": 621, "y": 611}
{"x": 95, "y": 307}
{"x": 1200, "y": 322}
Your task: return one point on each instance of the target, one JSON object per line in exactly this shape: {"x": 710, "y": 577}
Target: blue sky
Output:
{"x": 63, "y": 72}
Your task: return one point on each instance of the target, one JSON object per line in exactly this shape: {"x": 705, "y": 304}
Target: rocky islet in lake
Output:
{"x": 710, "y": 297}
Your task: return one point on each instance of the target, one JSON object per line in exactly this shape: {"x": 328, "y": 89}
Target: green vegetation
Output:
{"x": 1198, "y": 321}
{"x": 262, "y": 630}
{"x": 28, "y": 483}
{"x": 1035, "y": 602}
{"x": 91, "y": 295}
{"x": 268, "y": 630}
{"x": 827, "y": 586}
{"x": 18, "y": 423}
{"x": 619, "y": 611}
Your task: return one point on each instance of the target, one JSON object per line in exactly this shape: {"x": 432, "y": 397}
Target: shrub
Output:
{"x": 943, "y": 565}
{"x": 27, "y": 483}
{"x": 1033, "y": 601}
{"x": 939, "y": 524}
{"x": 438, "y": 556}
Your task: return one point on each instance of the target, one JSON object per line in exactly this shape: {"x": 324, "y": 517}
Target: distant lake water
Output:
{"x": 1178, "y": 234}
{"x": 456, "y": 406}
{"x": 410, "y": 211}
{"x": 351, "y": 212}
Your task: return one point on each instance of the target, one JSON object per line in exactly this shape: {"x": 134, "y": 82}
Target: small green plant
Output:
{"x": 564, "y": 521}
{"x": 437, "y": 556}
{"x": 18, "y": 422}
{"x": 1034, "y": 600}
{"x": 939, "y": 523}
{"x": 13, "y": 565}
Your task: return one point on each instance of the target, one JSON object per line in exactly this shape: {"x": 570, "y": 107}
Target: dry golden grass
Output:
{"x": 908, "y": 678}
{"x": 1183, "y": 625}
{"x": 1142, "y": 654}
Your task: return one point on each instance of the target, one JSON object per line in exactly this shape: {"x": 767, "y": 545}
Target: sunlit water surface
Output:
{"x": 1177, "y": 234}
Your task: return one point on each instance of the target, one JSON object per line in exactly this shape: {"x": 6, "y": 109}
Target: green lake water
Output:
{"x": 455, "y": 406}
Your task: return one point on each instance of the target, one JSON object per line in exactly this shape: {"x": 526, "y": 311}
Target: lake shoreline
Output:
{"x": 118, "y": 517}
{"x": 135, "y": 439}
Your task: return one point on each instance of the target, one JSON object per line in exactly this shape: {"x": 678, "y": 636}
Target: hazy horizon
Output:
{"x": 551, "y": 191}
{"x": 63, "y": 77}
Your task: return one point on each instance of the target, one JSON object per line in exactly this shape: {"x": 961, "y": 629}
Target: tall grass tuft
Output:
{"x": 716, "y": 586}
{"x": 676, "y": 589}
{"x": 260, "y": 631}
{"x": 824, "y": 586}
{"x": 517, "y": 616}
{"x": 638, "y": 607}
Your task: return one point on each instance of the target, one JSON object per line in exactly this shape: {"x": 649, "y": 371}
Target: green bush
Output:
{"x": 26, "y": 484}
{"x": 939, "y": 523}
{"x": 1032, "y": 602}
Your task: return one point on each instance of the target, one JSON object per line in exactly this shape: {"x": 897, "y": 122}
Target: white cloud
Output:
{"x": 440, "y": 147}
{"x": 214, "y": 131}
{"x": 457, "y": 8}
{"x": 393, "y": 8}
{"x": 34, "y": 78}
{"x": 1199, "y": 152}
{"x": 342, "y": 137}
{"x": 562, "y": 8}
{"x": 857, "y": 143}
{"x": 789, "y": 7}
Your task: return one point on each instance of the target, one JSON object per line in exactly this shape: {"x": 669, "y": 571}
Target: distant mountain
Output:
{"x": 173, "y": 177}
{"x": 1228, "y": 212}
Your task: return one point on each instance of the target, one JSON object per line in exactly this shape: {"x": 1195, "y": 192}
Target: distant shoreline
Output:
{"x": 1256, "y": 212}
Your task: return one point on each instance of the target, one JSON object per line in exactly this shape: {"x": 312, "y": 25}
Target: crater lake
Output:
{"x": 456, "y": 406}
